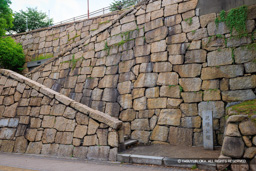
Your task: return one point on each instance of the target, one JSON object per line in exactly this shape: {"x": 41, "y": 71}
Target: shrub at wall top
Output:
{"x": 11, "y": 54}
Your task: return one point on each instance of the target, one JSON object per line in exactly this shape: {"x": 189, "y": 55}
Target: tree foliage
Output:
{"x": 121, "y": 4}
{"x": 36, "y": 19}
{"x": 5, "y": 16}
{"x": 11, "y": 54}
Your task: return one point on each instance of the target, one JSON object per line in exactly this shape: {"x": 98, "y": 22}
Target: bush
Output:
{"x": 121, "y": 4}
{"x": 11, "y": 54}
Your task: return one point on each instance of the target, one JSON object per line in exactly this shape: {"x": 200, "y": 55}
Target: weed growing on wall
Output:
{"x": 41, "y": 57}
{"x": 234, "y": 19}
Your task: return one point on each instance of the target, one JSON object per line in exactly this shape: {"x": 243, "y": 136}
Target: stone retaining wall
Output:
{"x": 239, "y": 142}
{"x": 52, "y": 40}
{"x": 36, "y": 120}
{"x": 156, "y": 68}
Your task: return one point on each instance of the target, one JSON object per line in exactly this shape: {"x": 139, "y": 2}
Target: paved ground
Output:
{"x": 174, "y": 151}
{"x": 21, "y": 162}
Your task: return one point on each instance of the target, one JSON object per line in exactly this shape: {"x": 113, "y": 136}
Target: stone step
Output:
{"x": 126, "y": 138}
{"x": 162, "y": 161}
{"x": 129, "y": 143}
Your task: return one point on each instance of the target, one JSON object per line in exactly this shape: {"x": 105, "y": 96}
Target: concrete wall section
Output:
{"x": 215, "y": 6}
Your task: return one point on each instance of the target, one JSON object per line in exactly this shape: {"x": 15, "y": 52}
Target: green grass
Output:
{"x": 41, "y": 57}
{"x": 246, "y": 107}
{"x": 104, "y": 22}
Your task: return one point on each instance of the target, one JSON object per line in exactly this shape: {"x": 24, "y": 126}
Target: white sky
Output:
{"x": 60, "y": 9}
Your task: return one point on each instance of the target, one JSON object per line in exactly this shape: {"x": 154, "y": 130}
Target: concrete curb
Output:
{"x": 161, "y": 161}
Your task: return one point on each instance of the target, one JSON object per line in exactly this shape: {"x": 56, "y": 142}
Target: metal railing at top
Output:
{"x": 85, "y": 16}
{"x": 101, "y": 11}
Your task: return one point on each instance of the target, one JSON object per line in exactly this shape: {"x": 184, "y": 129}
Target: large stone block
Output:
{"x": 177, "y": 49}
{"x": 125, "y": 101}
{"x": 140, "y": 103}
{"x": 20, "y": 145}
{"x": 190, "y": 84}
{"x": 217, "y": 108}
{"x": 90, "y": 140}
{"x": 171, "y": 10}
{"x": 31, "y": 134}
{"x": 160, "y": 133}
{"x": 205, "y": 19}
{"x": 98, "y": 72}
{"x": 127, "y": 115}
{"x": 158, "y": 103}
{"x": 113, "y": 139}
{"x": 159, "y": 46}
{"x": 124, "y": 87}
{"x": 169, "y": 117}
{"x": 162, "y": 67}
{"x": 10, "y": 111}
{"x": 238, "y": 95}
{"x": 48, "y": 121}
{"x": 125, "y": 66}
{"x": 152, "y": 92}
{"x": 146, "y": 80}
{"x": 191, "y": 122}
{"x": 80, "y": 131}
{"x": 109, "y": 81}
{"x": 80, "y": 152}
{"x": 156, "y": 35}
{"x": 232, "y": 130}
{"x": 168, "y": 78}
{"x": 58, "y": 110}
{"x": 222, "y": 57}
{"x": 93, "y": 126}
{"x": 189, "y": 109}
{"x": 143, "y": 50}
{"x": 250, "y": 67}
{"x": 247, "y": 127}
{"x": 212, "y": 95}
{"x": 180, "y": 136}
{"x": 159, "y": 57}
{"x": 243, "y": 82}
{"x": 233, "y": 147}
{"x": 243, "y": 55}
{"x": 50, "y": 149}
{"x": 187, "y": 6}
{"x": 190, "y": 97}
{"x": 65, "y": 150}
{"x": 140, "y": 124}
{"x": 172, "y": 20}
{"x": 49, "y": 136}
{"x": 195, "y": 56}
{"x": 170, "y": 91}
{"x": 128, "y": 26}
{"x": 188, "y": 26}
{"x": 228, "y": 71}
{"x": 7, "y": 146}
{"x": 188, "y": 70}
{"x": 110, "y": 95}
{"x": 141, "y": 136}
{"x": 197, "y": 35}
{"x": 102, "y": 136}
{"x": 34, "y": 148}
{"x": 7, "y": 133}
{"x": 98, "y": 152}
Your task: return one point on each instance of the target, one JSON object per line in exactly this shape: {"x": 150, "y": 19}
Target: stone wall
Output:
{"x": 51, "y": 40}
{"x": 239, "y": 141}
{"x": 36, "y": 120}
{"x": 156, "y": 68}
